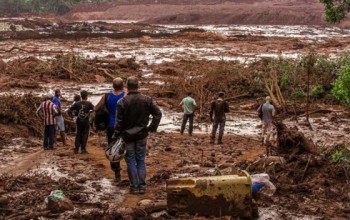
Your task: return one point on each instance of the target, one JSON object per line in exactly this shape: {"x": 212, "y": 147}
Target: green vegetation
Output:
{"x": 39, "y": 6}
{"x": 341, "y": 156}
{"x": 341, "y": 89}
{"x": 336, "y": 10}
{"x": 317, "y": 92}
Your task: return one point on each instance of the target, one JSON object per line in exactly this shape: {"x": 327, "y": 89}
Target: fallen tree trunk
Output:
{"x": 290, "y": 141}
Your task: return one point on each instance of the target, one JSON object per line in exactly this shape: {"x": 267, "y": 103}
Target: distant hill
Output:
{"x": 279, "y": 12}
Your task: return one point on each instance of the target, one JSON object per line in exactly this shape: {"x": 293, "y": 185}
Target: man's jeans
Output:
{"x": 184, "y": 121}
{"x": 49, "y": 136}
{"x": 114, "y": 166}
{"x": 221, "y": 125}
{"x": 135, "y": 160}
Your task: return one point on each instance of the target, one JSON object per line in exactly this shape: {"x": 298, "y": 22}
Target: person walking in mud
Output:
{"x": 188, "y": 104}
{"x": 268, "y": 114}
{"x": 82, "y": 110}
{"x": 59, "y": 118}
{"x": 110, "y": 101}
{"x": 218, "y": 110}
{"x": 49, "y": 110}
{"x": 133, "y": 113}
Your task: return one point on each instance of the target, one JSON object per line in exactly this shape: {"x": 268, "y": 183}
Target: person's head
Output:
{"x": 118, "y": 84}
{"x": 84, "y": 95}
{"x": 76, "y": 98}
{"x": 189, "y": 93}
{"x": 268, "y": 99}
{"x": 221, "y": 94}
{"x": 49, "y": 96}
{"x": 57, "y": 93}
{"x": 132, "y": 83}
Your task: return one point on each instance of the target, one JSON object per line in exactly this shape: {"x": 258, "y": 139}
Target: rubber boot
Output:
{"x": 220, "y": 139}
{"x": 212, "y": 139}
{"x": 63, "y": 137}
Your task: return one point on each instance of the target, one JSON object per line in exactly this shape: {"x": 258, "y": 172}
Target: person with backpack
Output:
{"x": 82, "y": 109}
{"x": 109, "y": 101}
{"x": 188, "y": 104}
{"x": 266, "y": 113}
{"x": 218, "y": 109}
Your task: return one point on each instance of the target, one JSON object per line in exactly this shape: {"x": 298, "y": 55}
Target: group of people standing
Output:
{"x": 218, "y": 110}
{"x": 128, "y": 113}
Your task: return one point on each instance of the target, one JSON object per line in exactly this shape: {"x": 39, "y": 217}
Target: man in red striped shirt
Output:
{"x": 49, "y": 111}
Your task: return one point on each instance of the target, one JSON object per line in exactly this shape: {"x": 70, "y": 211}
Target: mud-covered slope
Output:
{"x": 283, "y": 12}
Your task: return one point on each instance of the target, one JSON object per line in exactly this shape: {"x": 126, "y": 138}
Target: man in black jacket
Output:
{"x": 132, "y": 120}
{"x": 219, "y": 108}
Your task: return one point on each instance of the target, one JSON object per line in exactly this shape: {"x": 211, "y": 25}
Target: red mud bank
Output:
{"x": 272, "y": 12}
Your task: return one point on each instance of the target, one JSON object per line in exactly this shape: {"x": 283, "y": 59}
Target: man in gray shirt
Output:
{"x": 268, "y": 113}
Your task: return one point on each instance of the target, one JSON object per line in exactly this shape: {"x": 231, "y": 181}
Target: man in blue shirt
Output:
{"x": 111, "y": 103}
{"x": 59, "y": 118}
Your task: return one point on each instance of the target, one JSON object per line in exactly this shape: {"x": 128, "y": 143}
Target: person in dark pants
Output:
{"x": 133, "y": 113}
{"x": 188, "y": 104}
{"x": 82, "y": 110}
{"x": 218, "y": 109}
{"x": 49, "y": 110}
{"x": 110, "y": 101}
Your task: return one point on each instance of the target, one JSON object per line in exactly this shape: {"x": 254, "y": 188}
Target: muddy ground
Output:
{"x": 75, "y": 56}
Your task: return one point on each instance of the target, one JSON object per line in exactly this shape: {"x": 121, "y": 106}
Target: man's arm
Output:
{"x": 119, "y": 117}
{"x": 273, "y": 111}
{"x": 212, "y": 107}
{"x": 55, "y": 109}
{"x": 39, "y": 109}
{"x": 101, "y": 103}
{"x": 157, "y": 116}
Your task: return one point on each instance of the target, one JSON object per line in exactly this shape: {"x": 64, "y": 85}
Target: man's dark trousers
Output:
{"x": 187, "y": 117}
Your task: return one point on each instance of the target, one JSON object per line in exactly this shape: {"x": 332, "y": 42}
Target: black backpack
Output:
{"x": 102, "y": 117}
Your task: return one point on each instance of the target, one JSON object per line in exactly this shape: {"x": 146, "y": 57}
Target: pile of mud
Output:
{"x": 21, "y": 110}
{"x": 28, "y": 72}
{"x": 305, "y": 181}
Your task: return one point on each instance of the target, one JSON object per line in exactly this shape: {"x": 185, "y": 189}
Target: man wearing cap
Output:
{"x": 218, "y": 109}
{"x": 59, "y": 118}
{"x": 49, "y": 110}
{"x": 268, "y": 112}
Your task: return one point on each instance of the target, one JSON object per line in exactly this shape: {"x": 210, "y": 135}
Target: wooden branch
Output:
{"x": 238, "y": 97}
{"x": 105, "y": 71}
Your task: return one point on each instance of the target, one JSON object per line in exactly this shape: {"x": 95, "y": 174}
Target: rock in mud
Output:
{"x": 58, "y": 206}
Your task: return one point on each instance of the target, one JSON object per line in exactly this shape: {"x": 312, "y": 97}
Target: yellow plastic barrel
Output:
{"x": 229, "y": 195}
